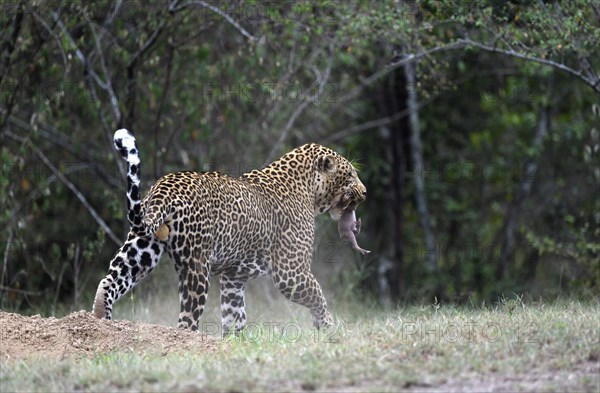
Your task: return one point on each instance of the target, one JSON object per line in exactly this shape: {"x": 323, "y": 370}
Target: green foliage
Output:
{"x": 201, "y": 95}
{"x": 580, "y": 248}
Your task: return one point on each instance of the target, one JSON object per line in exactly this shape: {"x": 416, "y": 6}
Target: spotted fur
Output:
{"x": 262, "y": 223}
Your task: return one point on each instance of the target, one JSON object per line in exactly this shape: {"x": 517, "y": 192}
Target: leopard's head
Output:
{"x": 337, "y": 185}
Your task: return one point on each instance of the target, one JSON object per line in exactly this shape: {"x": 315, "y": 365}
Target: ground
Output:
{"x": 509, "y": 346}
{"x": 81, "y": 334}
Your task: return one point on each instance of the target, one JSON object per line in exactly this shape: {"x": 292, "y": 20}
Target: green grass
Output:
{"x": 529, "y": 345}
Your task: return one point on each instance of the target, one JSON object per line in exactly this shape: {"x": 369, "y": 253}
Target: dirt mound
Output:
{"x": 81, "y": 334}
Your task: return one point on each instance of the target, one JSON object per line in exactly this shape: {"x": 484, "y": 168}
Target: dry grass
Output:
{"x": 508, "y": 346}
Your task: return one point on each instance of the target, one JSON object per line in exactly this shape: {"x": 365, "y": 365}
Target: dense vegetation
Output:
{"x": 475, "y": 125}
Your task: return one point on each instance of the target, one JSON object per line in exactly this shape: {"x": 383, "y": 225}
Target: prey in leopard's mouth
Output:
{"x": 348, "y": 225}
{"x": 349, "y": 228}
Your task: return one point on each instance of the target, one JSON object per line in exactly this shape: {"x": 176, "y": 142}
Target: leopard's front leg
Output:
{"x": 301, "y": 287}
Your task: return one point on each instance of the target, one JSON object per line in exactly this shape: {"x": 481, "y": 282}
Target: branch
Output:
{"x": 21, "y": 291}
{"x": 596, "y": 9}
{"x": 114, "y": 102}
{"x": 383, "y": 121}
{"x": 391, "y": 67}
{"x": 58, "y": 138}
{"x": 218, "y": 11}
{"x": 161, "y": 107}
{"x": 68, "y": 184}
{"x": 54, "y": 35}
{"x": 131, "y": 68}
{"x": 5, "y": 263}
{"x": 10, "y": 101}
{"x": 107, "y": 128}
{"x": 268, "y": 115}
{"x": 288, "y": 126}
{"x": 111, "y": 17}
{"x": 78, "y": 53}
{"x": 9, "y": 45}
{"x": 90, "y": 75}
{"x": 593, "y": 82}
{"x": 321, "y": 82}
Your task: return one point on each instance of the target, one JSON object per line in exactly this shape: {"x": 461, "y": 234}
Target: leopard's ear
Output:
{"x": 326, "y": 163}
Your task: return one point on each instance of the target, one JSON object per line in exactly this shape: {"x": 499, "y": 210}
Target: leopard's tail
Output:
{"x": 125, "y": 143}
{"x": 142, "y": 223}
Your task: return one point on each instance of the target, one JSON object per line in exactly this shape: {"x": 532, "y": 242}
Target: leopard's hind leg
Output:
{"x": 233, "y": 303}
{"x": 193, "y": 272}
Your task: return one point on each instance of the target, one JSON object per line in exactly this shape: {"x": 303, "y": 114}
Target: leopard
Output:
{"x": 261, "y": 223}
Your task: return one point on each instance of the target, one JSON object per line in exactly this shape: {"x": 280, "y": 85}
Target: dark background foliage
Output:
{"x": 475, "y": 125}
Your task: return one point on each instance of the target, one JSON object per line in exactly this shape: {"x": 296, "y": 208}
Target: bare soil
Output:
{"x": 583, "y": 377}
{"x": 81, "y": 334}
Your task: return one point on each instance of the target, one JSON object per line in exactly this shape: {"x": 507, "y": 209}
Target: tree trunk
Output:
{"x": 418, "y": 166}
{"x": 392, "y": 99}
{"x": 522, "y": 192}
